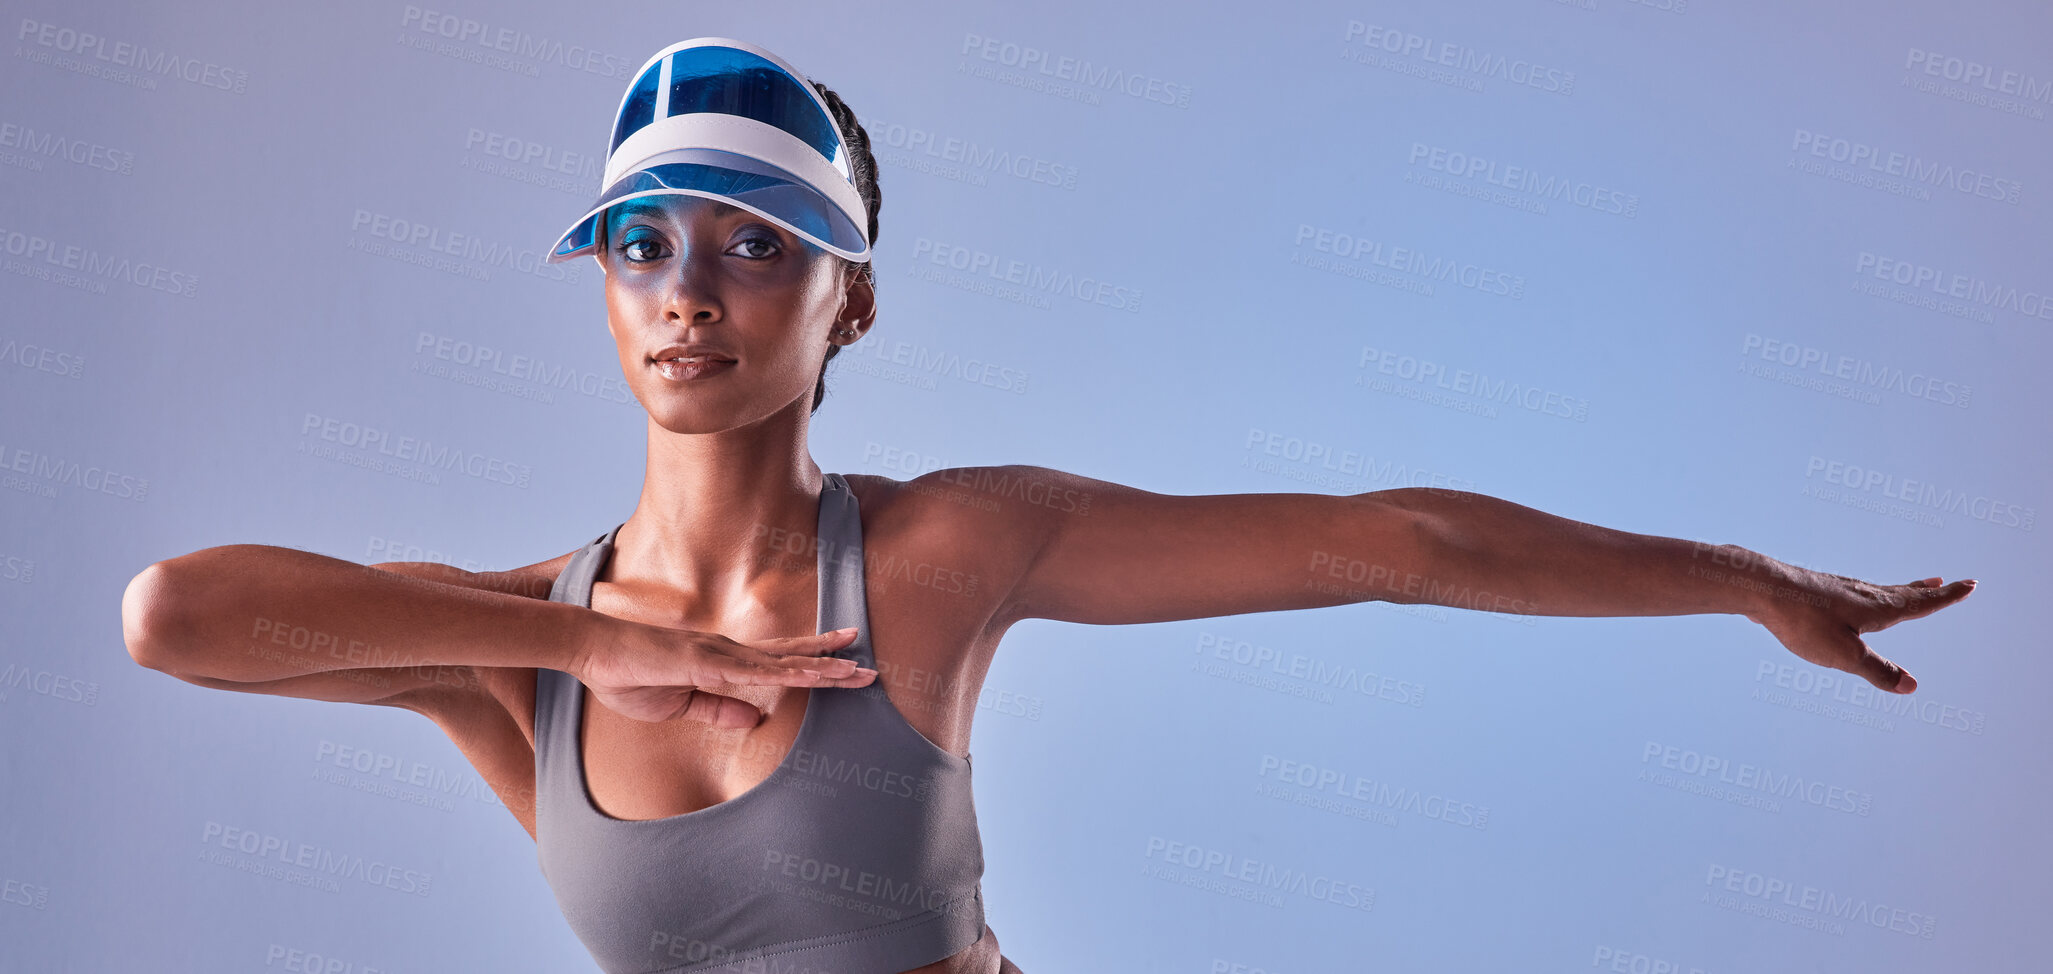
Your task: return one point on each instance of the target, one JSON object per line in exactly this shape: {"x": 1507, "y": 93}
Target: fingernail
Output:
{"x": 1970, "y": 583}
{"x": 846, "y": 629}
{"x": 1906, "y": 683}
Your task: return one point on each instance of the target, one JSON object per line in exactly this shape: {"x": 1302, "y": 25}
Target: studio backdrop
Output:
{"x": 1766, "y": 274}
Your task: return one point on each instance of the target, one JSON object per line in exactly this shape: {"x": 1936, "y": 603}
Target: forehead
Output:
{"x": 674, "y": 206}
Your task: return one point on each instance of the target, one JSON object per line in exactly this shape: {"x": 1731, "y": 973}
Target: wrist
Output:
{"x": 591, "y": 633}
{"x": 1761, "y": 586}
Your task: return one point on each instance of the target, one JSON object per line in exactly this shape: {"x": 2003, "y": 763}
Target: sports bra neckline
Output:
{"x": 577, "y": 720}
{"x": 835, "y": 512}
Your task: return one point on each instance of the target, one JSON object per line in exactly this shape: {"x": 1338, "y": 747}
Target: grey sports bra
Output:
{"x": 859, "y": 854}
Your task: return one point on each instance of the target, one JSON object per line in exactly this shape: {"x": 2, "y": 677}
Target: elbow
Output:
{"x": 147, "y": 617}
{"x": 1425, "y": 511}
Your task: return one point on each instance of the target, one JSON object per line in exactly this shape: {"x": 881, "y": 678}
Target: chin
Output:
{"x": 705, "y": 415}
{"x": 694, "y": 418}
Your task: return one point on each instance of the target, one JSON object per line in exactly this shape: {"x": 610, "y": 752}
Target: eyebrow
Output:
{"x": 635, "y": 207}
{"x": 642, "y": 206}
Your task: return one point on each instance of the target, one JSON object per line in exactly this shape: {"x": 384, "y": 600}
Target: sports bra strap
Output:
{"x": 840, "y": 570}
{"x": 574, "y": 583}
{"x": 842, "y": 602}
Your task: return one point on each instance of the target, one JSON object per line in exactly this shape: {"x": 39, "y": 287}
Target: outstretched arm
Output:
{"x": 1112, "y": 554}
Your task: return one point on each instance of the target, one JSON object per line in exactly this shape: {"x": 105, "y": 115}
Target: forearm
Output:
{"x": 251, "y": 613}
{"x": 1483, "y": 552}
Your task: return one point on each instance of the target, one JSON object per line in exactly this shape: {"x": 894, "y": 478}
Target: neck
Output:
{"x": 721, "y": 513}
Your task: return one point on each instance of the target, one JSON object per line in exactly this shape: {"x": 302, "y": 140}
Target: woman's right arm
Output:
{"x": 267, "y": 619}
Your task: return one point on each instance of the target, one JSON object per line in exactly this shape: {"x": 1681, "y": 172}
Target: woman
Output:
{"x": 713, "y": 812}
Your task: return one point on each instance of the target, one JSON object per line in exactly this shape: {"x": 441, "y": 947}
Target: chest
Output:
{"x": 929, "y": 635}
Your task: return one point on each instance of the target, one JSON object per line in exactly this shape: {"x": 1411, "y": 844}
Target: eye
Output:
{"x": 628, "y": 249}
{"x": 760, "y": 240}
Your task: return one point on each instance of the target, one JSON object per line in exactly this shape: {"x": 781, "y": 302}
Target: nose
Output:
{"x": 691, "y": 290}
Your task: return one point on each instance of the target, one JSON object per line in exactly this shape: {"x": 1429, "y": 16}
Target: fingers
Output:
{"x": 719, "y": 711}
{"x": 815, "y": 646}
{"x": 798, "y": 661}
{"x": 1885, "y": 675}
{"x": 796, "y": 671}
{"x": 1958, "y": 589}
{"x": 1927, "y": 596}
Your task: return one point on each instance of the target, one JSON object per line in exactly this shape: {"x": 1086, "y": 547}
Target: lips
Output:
{"x": 694, "y": 354}
{"x": 694, "y": 360}
{"x": 688, "y": 367}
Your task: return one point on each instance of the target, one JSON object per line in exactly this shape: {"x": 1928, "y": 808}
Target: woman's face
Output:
{"x": 690, "y": 270}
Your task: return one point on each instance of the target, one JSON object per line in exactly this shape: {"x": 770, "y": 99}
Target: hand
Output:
{"x": 657, "y": 673}
{"x": 1824, "y": 620}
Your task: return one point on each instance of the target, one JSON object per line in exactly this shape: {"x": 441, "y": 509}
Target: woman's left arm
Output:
{"x": 1111, "y": 554}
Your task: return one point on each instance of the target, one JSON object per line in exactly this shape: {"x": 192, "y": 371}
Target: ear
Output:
{"x": 858, "y": 299}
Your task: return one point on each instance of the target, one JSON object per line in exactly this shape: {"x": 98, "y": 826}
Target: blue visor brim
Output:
{"x": 746, "y": 183}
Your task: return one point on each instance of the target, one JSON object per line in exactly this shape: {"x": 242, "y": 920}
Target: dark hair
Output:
{"x": 863, "y": 166}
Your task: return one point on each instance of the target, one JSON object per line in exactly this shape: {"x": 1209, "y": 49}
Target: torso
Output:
{"x": 933, "y": 639}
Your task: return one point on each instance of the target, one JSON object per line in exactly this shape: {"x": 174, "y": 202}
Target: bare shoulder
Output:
{"x": 988, "y": 520}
